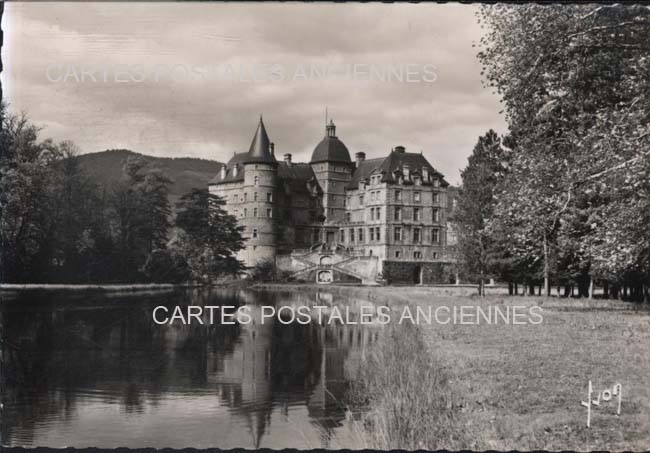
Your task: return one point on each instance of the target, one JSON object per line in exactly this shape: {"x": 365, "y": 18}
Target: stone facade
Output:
{"x": 393, "y": 209}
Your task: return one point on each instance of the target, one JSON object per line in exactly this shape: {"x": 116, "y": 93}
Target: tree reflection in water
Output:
{"x": 64, "y": 355}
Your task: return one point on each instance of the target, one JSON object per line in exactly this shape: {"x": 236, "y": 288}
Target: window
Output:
{"x": 378, "y": 234}
{"x": 351, "y": 234}
{"x": 398, "y": 233}
{"x": 269, "y": 197}
{"x": 398, "y": 254}
{"x": 256, "y": 180}
{"x": 345, "y": 202}
{"x": 269, "y": 213}
{"x": 254, "y": 232}
{"x": 254, "y": 212}
{"x": 417, "y": 255}
{"x": 416, "y": 214}
{"x": 360, "y": 200}
{"x": 378, "y": 214}
{"x": 348, "y": 217}
{"x": 372, "y": 234}
{"x": 245, "y": 212}
{"x": 436, "y": 183}
{"x": 436, "y": 197}
{"x": 361, "y": 235}
{"x": 435, "y": 255}
{"x": 341, "y": 235}
{"x": 416, "y": 235}
{"x": 435, "y": 235}
{"x": 255, "y": 196}
{"x": 398, "y": 195}
{"x": 416, "y": 197}
{"x": 398, "y": 213}
{"x": 436, "y": 215}
{"x": 245, "y": 196}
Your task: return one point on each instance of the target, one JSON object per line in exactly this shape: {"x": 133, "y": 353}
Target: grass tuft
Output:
{"x": 404, "y": 395}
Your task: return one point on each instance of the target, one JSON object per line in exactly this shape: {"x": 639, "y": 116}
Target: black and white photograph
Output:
{"x": 325, "y": 225}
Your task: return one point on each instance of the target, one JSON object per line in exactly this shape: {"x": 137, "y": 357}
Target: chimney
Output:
{"x": 223, "y": 171}
{"x": 272, "y": 148}
{"x": 399, "y": 149}
{"x": 360, "y": 157}
{"x": 287, "y": 159}
{"x": 406, "y": 172}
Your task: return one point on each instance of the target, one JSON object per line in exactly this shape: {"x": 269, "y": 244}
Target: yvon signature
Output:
{"x": 605, "y": 396}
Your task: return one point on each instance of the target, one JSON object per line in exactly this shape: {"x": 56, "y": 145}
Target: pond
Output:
{"x": 94, "y": 369}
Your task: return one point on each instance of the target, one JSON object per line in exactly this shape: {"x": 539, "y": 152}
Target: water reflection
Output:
{"x": 97, "y": 371}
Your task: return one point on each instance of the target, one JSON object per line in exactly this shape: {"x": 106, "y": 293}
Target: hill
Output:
{"x": 105, "y": 167}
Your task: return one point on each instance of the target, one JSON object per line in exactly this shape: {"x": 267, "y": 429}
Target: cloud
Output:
{"x": 211, "y": 117}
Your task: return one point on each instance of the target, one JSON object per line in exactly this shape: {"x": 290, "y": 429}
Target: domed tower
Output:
{"x": 260, "y": 182}
{"x": 333, "y": 168}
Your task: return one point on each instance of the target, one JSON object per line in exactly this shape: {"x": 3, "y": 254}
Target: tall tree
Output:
{"x": 208, "y": 236}
{"x": 141, "y": 215}
{"x": 475, "y": 205}
{"x": 27, "y": 180}
{"x": 575, "y": 84}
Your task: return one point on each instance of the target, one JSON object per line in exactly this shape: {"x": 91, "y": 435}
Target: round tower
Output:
{"x": 332, "y": 167}
{"x": 259, "y": 187}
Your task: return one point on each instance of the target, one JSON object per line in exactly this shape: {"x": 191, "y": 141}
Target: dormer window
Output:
{"x": 406, "y": 171}
{"x": 436, "y": 183}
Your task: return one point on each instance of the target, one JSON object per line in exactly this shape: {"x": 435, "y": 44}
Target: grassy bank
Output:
{"x": 405, "y": 397}
{"x": 504, "y": 386}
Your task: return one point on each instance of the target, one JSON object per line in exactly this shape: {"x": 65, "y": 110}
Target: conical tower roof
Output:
{"x": 260, "y": 150}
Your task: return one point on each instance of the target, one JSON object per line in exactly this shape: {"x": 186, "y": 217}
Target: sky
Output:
{"x": 192, "y": 79}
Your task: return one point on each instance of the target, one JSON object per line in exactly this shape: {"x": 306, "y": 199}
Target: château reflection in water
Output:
{"x": 95, "y": 370}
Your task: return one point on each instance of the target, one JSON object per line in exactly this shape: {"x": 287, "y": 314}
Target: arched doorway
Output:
{"x": 417, "y": 275}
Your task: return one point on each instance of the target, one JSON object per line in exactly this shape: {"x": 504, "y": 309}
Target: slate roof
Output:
{"x": 391, "y": 164}
{"x": 237, "y": 158}
{"x": 260, "y": 149}
{"x": 297, "y": 176}
{"x": 259, "y": 152}
{"x": 331, "y": 149}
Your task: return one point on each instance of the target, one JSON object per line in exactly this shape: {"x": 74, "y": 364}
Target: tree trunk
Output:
{"x": 516, "y": 289}
{"x": 606, "y": 289}
{"x": 591, "y": 287}
{"x": 547, "y": 288}
{"x": 510, "y": 288}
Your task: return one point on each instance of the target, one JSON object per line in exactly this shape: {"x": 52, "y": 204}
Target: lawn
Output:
{"x": 507, "y": 386}
{"x": 520, "y": 386}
